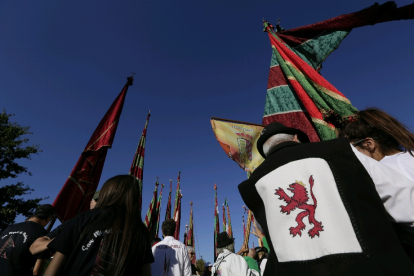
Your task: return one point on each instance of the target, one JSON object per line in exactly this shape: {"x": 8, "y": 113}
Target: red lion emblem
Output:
{"x": 299, "y": 200}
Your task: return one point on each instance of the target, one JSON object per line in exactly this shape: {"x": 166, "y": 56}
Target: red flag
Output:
{"x": 190, "y": 236}
{"x": 228, "y": 228}
{"x": 168, "y": 210}
{"x": 137, "y": 166}
{"x": 244, "y": 228}
{"x": 77, "y": 192}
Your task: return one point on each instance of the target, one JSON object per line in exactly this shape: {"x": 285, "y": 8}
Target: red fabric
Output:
{"x": 369, "y": 16}
{"x": 168, "y": 210}
{"x": 276, "y": 77}
{"x": 78, "y": 190}
{"x": 298, "y": 120}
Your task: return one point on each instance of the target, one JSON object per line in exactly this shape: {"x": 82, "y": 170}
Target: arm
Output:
{"x": 56, "y": 265}
{"x": 395, "y": 190}
{"x": 186, "y": 263}
{"x": 146, "y": 270}
{"x": 242, "y": 250}
{"x": 39, "y": 245}
{"x": 38, "y": 268}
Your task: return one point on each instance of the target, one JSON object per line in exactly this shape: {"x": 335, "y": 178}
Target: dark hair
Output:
{"x": 388, "y": 131}
{"x": 120, "y": 212}
{"x": 168, "y": 227}
{"x": 44, "y": 211}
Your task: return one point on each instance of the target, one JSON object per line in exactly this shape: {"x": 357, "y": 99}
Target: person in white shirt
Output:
{"x": 228, "y": 263}
{"x": 171, "y": 256}
{"x": 383, "y": 138}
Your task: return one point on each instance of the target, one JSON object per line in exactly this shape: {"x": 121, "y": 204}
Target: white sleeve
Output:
{"x": 395, "y": 190}
{"x": 186, "y": 263}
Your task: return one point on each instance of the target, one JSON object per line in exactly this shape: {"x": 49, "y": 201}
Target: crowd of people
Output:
{"x": 354, "y": 194}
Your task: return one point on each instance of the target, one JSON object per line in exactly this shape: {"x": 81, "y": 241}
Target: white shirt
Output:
{"x": 170, "y": 258}
{"x": 230, "y": 264}
{"x": 263, "y": 266}
{"x": 395, "y": 190}
{"x": 402, "y": 162}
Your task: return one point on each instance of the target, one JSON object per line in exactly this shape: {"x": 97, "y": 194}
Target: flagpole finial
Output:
{"x": 215, "y": 186}
{"x": 130, "y": 79}
{"x": 191, "y": 203}
{"x": 162, "y": 185}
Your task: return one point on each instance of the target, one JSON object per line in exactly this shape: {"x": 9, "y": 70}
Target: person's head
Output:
{"x": 191, "y": 252}
{"x": 208, "y": 266}
{"x": 94, "y": 199}
{"x": 155, "y": 241}
{"x": 44, "y": 213}
{"x": 168, "y": 227}
{"x": 377, "y": 134}
{"x": 252, "y": 254}
{"x": 276, "y": 133}
{"x": 224, "y": 242}
{"x": 120, "y": 212}
{"x": 261, "y": 252}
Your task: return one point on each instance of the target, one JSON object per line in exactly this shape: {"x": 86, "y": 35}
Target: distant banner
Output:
{"x": 239, "y": 141}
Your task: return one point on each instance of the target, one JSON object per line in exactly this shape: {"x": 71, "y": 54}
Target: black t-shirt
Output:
{"x": 193, "y": 269}
{"x": 15, "y": 242}
{"x": 82, "y": 254}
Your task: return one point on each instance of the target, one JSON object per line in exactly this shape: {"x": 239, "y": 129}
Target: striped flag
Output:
{"x": 224, "y": 219}
{"x": 297, "y": 95}
{"x": 190, "y": 235}
{"x": 177, "y": 208}
{"x": 168, "y": 210}
{"x": 244, "y": 228}
{"x": 229, "y": 229}
{"x": 158, "y": 212}
{"x": 216, "y": 223}
{"x": 149, "y": 218}
{"x": 77, "y": 192}
{"x": 137, "y": 167}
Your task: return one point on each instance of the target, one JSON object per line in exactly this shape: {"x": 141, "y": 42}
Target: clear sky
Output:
{"x": 63, "y": 63}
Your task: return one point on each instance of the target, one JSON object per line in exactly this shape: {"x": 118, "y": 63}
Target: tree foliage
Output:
{"x": 12, "y": 148}
{"x": 200, "y": 264}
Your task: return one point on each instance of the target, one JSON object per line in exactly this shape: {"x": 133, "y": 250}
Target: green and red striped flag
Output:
{"x": 190, "y": 234}
{"x": 228, "y": 227}
{"x": 177, "y": 209}
{"x": 224, "y": 219}
{"x": 297, "y": 95}
{"x": 158, "y": 212}
{"x": 168, "y": 209}
{"x": 216, "y": 223}
{"x": 150, "y": 217}
{"x": 177, "y": 218}
{"x": 137, "y": 167}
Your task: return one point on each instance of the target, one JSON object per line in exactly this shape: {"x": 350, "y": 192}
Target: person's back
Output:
{"x": 108, "y": 240}
{"x": 171, "y": 256}
{"x": 322, "y": 212}
{"x": 15, "y": 257}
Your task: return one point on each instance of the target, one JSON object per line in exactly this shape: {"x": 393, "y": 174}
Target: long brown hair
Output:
{"x": 118, "y": 201}
{"x": 388, "y": 131}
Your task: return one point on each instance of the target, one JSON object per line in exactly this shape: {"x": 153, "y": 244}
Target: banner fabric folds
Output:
{"x": 238, "y": 140}
{"x": 77, "y": 192}
{"x": 297, "y": 95}
{"x": 137, "y": 166}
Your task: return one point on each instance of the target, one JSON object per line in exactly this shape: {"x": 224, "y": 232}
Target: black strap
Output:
{"x": 216, "y": 268}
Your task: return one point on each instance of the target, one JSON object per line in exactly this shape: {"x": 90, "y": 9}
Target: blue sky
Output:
{"x": 63, "y": 63}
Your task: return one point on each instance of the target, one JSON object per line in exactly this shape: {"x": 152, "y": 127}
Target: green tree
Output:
{"x": 200, "y": 264}
{"x": 13, "y": 147}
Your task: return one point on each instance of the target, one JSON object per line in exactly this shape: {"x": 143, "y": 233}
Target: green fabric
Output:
{"x": 251, "y": 263}
{"x": 265, "y": 244}
{"x": 281, "y": 99}
{"x": 315, "y": 51}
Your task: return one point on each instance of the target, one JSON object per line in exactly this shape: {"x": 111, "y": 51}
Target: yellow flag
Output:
{"x": 239, "y": 140}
